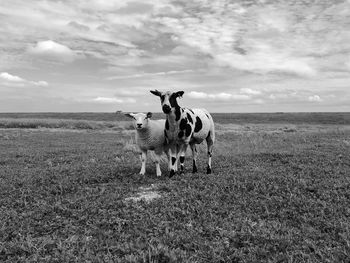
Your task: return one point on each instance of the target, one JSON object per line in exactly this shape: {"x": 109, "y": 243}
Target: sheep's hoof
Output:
{"x": 208, "y": 170}
{"x": 158, "y": 175}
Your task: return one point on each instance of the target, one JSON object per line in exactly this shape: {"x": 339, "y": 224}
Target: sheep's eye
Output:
{"x": 162, "y": 98}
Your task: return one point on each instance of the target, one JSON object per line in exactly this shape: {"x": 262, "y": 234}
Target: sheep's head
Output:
{"x": 168, "y": 99}
{"x": 140, "y": 120}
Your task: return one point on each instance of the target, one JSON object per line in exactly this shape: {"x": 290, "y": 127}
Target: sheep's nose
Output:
{"x": 139, "y": 125}
{"x": 166, "y": 109}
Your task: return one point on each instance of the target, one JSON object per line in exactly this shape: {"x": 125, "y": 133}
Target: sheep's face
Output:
{"x": 140, "y": 120}
{"x": 168, "y": 99}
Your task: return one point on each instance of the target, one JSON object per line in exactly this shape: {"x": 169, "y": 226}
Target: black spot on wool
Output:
{"x": 173, "y": 102}
{"x": 181, "y": 134}
{"x": 177, "y": 113}
{"x": 173, "y": 160}
{"x": 188, "y": 130}
{"x": 189, "y": 118}
{"x": 167, "y": 124}
{"x": 166, "y": 141}
{"x": 208, "y": 134}
{"x": 182, "y": 159}
{"x": 183, "y": 124}
{"x": 199, "y": 125}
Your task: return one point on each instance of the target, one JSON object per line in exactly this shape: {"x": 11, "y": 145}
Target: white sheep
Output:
{"x": 149, "y": 136}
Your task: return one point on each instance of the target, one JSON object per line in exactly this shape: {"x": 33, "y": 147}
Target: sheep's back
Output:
{"x": 206, "y": 121}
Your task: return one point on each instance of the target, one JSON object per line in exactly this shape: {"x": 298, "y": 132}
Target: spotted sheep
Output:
{"x": 185, "y": 127}
{"x": 149, "y": 136}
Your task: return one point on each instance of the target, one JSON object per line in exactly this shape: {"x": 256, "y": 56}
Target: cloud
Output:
{"x": 150, "y": 74}
{"x": 272, "y": 18}
{"x": 9, "y": 77}
{"x": 136, "y": 7}
{"x": 314, "y": 98}
{"x": 40, "y": 83}
{"x": 263, "y": 62}
{"x": 78, "y": 26}
{"x": 250, "y": 91}
{"x": 301, "y": 96}
{"x": 101, "y": 5}
{"x": 52, "y": 49}
{"x": 217, "y": 96}
{"x": 250, "y": 41}
{"x": 107, "y": 100}
{"x": 12, "y": 80}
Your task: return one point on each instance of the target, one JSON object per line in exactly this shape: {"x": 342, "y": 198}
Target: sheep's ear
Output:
{"x": 156, "y": 92}
{"x": 179, "y": 94}
{"x": 149, "y": 115}
{"x": 130, "y": 115}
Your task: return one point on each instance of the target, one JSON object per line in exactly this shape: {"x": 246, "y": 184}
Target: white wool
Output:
{"x": 151, "y": 137}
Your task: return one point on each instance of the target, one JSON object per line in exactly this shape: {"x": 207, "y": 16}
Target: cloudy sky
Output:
{"x": 227, "y": 55}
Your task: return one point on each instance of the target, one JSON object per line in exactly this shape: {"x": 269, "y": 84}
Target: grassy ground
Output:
{"x": 279, "y": 193}
{"x": 225, "y": 118}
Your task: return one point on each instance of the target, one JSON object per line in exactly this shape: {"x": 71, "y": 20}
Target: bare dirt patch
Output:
{"x": 145, "y": 193}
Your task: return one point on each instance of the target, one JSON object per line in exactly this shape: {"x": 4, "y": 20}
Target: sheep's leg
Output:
{"x": 157, "y": 161}
{"x": 143, "y": 162}
{"x": 182, "y": 153}
{"x": 169, "y": 162}
{"x": 172, "y": 161}
{"x": 177, "y": 160}
{"x": 194, "y": 157}
{"x": 167, "y": 152}
{"x": 177, "y": 157}
{"x": 210, "y": 144}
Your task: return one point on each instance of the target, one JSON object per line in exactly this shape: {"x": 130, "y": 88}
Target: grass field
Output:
{"x": 70, "y": 192}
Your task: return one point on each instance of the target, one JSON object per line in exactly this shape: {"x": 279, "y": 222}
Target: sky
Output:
{"x": 226, "y": 55}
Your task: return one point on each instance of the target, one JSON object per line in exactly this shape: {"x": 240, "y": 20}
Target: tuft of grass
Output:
{"x": 58, "y": 124}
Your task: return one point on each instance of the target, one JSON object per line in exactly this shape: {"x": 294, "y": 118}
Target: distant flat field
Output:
{"x": 295, "y": 118}
{"x": 70, "y": 191}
